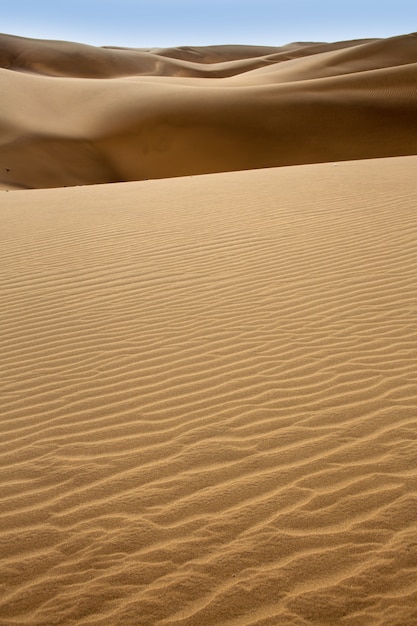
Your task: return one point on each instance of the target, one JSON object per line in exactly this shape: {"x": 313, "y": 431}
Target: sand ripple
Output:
{"x": 209, "y": 397}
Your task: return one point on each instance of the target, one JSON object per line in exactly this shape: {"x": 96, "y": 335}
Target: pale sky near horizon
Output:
{"x": 163, "y": 23}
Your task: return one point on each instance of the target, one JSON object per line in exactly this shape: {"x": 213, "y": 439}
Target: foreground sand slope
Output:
{"x": 209, "y": 391}
{"x": 73, "y": 114}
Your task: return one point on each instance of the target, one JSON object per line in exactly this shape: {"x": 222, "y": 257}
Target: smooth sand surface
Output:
{"x": 72, "y": 114}
{"x": 209, "y": 393}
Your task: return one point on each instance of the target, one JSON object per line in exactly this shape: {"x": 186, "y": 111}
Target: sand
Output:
{"x": 73, "y": 114}
{"x": 208, "y": 382}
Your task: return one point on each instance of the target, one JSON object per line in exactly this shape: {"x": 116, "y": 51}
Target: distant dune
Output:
{"x": 208, "y": 383}
{"x": 73, "y": 114}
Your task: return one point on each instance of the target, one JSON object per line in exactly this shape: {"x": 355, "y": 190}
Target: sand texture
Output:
{"x": 209, "y": 391}
{"x": 72, "y": 114}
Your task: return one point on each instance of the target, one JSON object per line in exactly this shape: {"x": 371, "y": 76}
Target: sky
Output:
{"x": 165, "y": 23}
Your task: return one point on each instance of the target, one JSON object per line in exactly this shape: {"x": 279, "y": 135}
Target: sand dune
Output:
{"x": 209, "y": 399}
{"x": 72, "y": 114}
{"x": 208, "y": 381}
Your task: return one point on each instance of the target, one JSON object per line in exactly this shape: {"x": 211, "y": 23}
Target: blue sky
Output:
{"x": 149, "y": 23}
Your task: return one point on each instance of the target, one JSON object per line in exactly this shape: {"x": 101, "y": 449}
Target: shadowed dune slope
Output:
{"x": 72, "y": 114}
{"x": 208, "y": 400}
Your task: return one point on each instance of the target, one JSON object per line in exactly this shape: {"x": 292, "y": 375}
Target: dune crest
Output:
{"x": 73, "y": 114}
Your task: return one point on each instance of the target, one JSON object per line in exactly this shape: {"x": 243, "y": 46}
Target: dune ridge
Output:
{"x": 72, "y": 114}
{"x": 208, "y": 399}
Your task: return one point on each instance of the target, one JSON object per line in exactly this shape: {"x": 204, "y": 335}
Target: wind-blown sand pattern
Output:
{"x": 72, "y": 114}
{"x": 209, "y": 390}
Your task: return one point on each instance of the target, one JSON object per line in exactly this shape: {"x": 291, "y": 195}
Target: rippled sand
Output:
{"x": 208, "y": 383}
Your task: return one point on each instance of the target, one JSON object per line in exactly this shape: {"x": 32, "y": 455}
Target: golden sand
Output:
{"x": 208, "y": 383}
{"x": 73, "y": 114}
